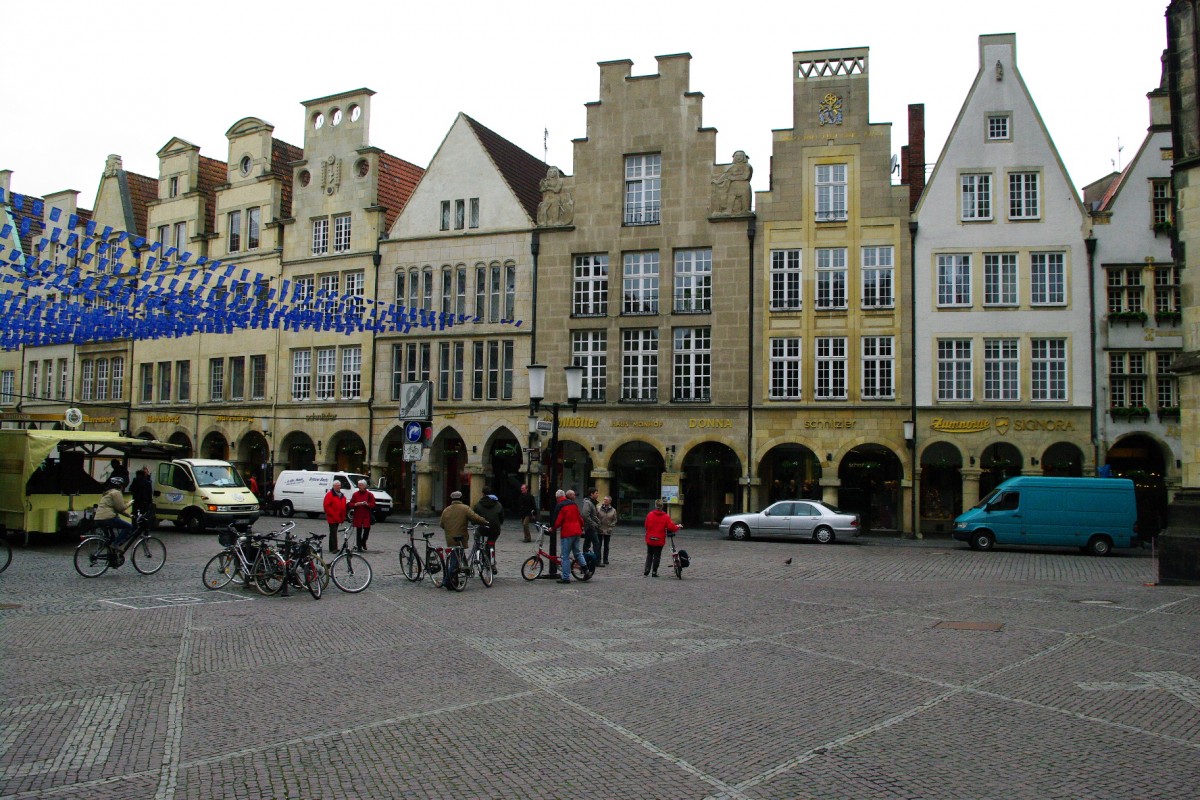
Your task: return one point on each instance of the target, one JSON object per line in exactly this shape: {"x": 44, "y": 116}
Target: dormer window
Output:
{"x": 998, "y": 128}
{"x": 173, "y": 186}
{"x": 244, "y": 165}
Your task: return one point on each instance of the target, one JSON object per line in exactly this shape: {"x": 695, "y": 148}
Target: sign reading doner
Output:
{"x": 416, "y": 400}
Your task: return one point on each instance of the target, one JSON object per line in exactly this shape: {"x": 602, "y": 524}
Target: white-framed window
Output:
{"x": 787, "y": 285}
{"x": 1166, "y": 383}
{"x": 1048, "y": 359}
{"x": 304, "y": 287}
{"x": 427, "y": 288}
{"x": 495, "y": 289}
{"x": 1047, "y": 279}
{"x": 341, "y": 233}
{"x": 693, "y": 281}
{"x": 63, "y": 379}
{"x": 416, "y": 361}
{"x": 401, "y": 282}
{"x": 459, "y": 369}
{"x": 478, "y": 370}
{"x": 101, "y": 378}
{"x": 302, "y": 374}
{"x": 1124, "y": 289}
{"x": 590, "y": 294}
{"x": 831, "y": 192}
{"x": 473, "y": 213}
{"x": 447, "y": 293}
{"x": 327, "y": 291}
{"x": 326, "y": 373}
{"x": 831, "y": 368}
{"x": 643, "y": 189}
{"x": 1127, "y": 380}
{"x": 499, "y": 369}
{"x": 460, "y": 291}
{"x": 164, "y": 381}
{"x": 47, "y": 379}
{"x": 954, "y": 279}
{"x": 8, "y": 387}
{"x": 181, "y": 237}
{"x": 258, "y": 377}
{"x": 831, "y": 278}
{"x": 352, "y": 372}
{"x": 878, "y": 368}
{"x": 878, "y": 277}
{"x": 1167, "y": 291}
{"x": 443, "y": 371}
{"x": 510, "y": 292}
{"x": 954, "y": 369}
{"x": 1001, "y": 369}
{"x": 589, "y": 349}
{"x": 173, "y": 186}
{"x": 999, "y": 279}
{"x": 118, "y": 377}
{"x": 355, "y": 292}
{"x": 480, "y": 292}
{"x": 692, "y": 376}
{"x": 147, "y": 374}
{"x": 237, "y": 378}
{"x": 977, "y": 196}
{"x": 320, "y": 236}
{"x": 216, "y": 379}
{"x": 1024, "y": 198}
{"x": 785, "y": 368}
{"x": 234, "y": 230}
{"x": 639, "y": 283}
{"x": 414, "y": 289}
{"x": 639, "y": 364}
{"x": 1160, "y": 201}
{"x": 85, "y": 379}
{"x": 253, "y": 228}
{"x": 397, "y": 370}
{"x": 183, "y": 381}
{"x": 998, "y": 128}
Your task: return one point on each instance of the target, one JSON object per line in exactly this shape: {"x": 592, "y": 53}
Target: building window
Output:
{"x": 320, "y": 237}
{"x": 427, "y": 289}
{"x": 253, "y": 225}
{"x": 235, "y": 231}
{"x": 1160, "y": 201}
{"x": 303, "y": 291}
{"x": 401, "y": 275}
{"x": 1165, "y": 381}
{"x": 47, "y": 379}
{"x": 787, "y": 288}
{"x": 445, "y": 217}
{"x": 785, "y": 369}
{"x": 1001, "y": 369}
{"x": 414, "y": 290}
{"x": 63, "y": 382}
{"x": 639, "y": 365}
{"x": 977, "y": 197}
{"x": 1048, "y": 279}
{"x": 147, "y": 383}
{"x": 164, "y": 381}
{"x": 954, "y": 369}
{"x": 1124, "y": 290}
{"x": 954, "y": 280}
{"x": 1023, "y": 197}
{"x": 460, "y": 214}
{"x": 831, "y": 192}
{"x": 443, "y": 370}
{"x": 510, "y": 293}
{"x": 85, "y": 379}
{"x": 355, "y": 292}
{"x": 478, "y": 371}
{"x": 831, "y": 368}
{"x": 643, "y": 189}
{"x": 591, "y": 286}
{"x": 326, "y": 373}
{"x": 997, "y": 127}
{"x": 1048, "y": 358}
{"x": 397, "y": 370}
{"x": 639, "y": 292}
{"x": 494, "y": 316}
{"x": 102, "y": 379}
{"x": 118, "y": 378}
{"x": 181, "y": 237}
{"x": 480, "y": 293}
{"x": 327, "y": 291}
{"x": 693, "y": 365}
{"x": 237, "y": 378}
{"x": 693, "y": 281}
{"x": 459, "y": 370}
{"x": 301, "y": 374}
{"x": 999, "y": 279}
{"x": 352, "y": 372}
{"x": 447, "y": 293}
{"x": 878, "y": 368}
{"x": 493, "y": 370}
{"x": 216, "y": 379}
{"x": 878, "y": 277}
{"x": 831, "y": 278}
{"x": 473, "y": 218}
{"x": 460, "y": 291}
{"x": 1126, "y": 380}
{"x": 589, "y": 349}
{"x": 341, "y": 234}
{"x": 173, "y": 187}
{"x": 416, "y": 362}
{"x": 164, "y": 236}
{"x": 1166, "y": 290}
{"x": 183, "y": 381}
{"x": 7, "y": 387}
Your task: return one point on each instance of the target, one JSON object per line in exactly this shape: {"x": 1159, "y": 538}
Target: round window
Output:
{"x": 244, "y": 165}
{"x": 355, "y": 112}
{"x": 362, "y": 167}
{"x": 335, "y": 116}
{"x": 318, "y": 120}
{"x": 305, "y": 177}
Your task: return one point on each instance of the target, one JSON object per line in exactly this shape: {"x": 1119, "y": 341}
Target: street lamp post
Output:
{"x": 537, "y": 393}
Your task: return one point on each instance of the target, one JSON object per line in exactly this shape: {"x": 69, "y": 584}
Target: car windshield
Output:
{"x": 219, "y": 476}
{"x": 354, "y": 479}
{"x": 990, "y": 497}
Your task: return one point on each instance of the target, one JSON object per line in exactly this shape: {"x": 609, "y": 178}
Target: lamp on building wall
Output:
{"x": 1033, "y": 461}
{"x": 972, "y": 461}
{"x": 829, "y": 457}
{"x": 318, "y": 445}
{"x": 909, "y": 432}
{"x": 537, "y": 393}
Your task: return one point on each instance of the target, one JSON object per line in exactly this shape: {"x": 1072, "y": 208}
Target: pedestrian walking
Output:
{"x": 454, "y": 521}
{"x": 142, "y": 490}
{"x": 335, "y": 512}
{"x": 570, "y": 523}
{"x": 490, "y": 509}
{"x": 362, "y": 511}
{"x": 658, "y": 525}
{"x": 526, "y": 509}
{"x": 608, "y": 521}
{"x": 589, "y": 509}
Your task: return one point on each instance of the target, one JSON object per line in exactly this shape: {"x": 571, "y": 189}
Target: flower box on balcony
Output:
{"x": 1127, "y": 317}
{"x": 1167, "y": 317}
{"x": 1168, "y": 412}
{"x": 1129, "y": 412}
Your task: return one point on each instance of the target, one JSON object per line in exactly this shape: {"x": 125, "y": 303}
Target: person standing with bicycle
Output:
{"x": 454, "y": 520}
{"x": 335, "y": 512}
{"x": 659, "y": 526}
{"x": 569, "y": 523}
{"x": 362, "y": 509}
{"x": 490, "y": 509}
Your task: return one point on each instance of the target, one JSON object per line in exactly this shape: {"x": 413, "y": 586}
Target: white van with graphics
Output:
{"x": 303, "y": 491}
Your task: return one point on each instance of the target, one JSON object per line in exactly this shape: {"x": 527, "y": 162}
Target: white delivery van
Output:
{"x": 303, "y": 491}
{"x": 200, "y": 493}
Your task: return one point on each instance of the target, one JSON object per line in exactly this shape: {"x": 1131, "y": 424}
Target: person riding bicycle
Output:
{"x": 111, "y": 508}
{"x": 490, "y": 508}
{"x": 454, "y": 521}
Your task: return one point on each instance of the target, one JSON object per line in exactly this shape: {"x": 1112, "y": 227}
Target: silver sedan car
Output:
{"x": 809, "y": 519}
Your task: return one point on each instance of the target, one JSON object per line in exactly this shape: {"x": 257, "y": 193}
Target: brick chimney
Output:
{"x": 912, "y": 155}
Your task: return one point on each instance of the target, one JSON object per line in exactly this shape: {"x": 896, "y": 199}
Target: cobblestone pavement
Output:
{"x": 880, "y": 669}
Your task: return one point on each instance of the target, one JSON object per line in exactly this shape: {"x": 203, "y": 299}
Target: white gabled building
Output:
{"x": 1002, "y": 307}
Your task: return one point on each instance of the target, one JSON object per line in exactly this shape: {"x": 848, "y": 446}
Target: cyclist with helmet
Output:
{"x": 112, "y": 507}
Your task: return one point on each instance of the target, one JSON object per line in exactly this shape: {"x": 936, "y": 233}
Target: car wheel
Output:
{"x": 286, "y": 509}
{"x": 823, "y": 534}
{"x": 982, "y": 540}
{"x": 193, "y": 522}
{"x": 1099, "y": 546}
{"x": 739, "y": 532}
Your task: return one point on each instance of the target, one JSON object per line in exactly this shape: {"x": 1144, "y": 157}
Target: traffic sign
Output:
{"x": 545, "y": 426}
{"x": 413, "y": 432}
{"x": 413, "y": 452}
{"x": 416, "y": 400}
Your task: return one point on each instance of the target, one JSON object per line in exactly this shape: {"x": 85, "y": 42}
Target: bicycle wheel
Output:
{"x": 580, "y": 572}
{"x": 149, "y": 555}
{"x": 219, "y": 570}
{"x": 410, "y": 563}
{"x": 91, "y": 556}
{"x": 433, "y": 567}
{"x": 350, "y": 572}
{"x": 532, "y": 568}
{"x": 5, "y": 552}
{"x": 678, "y": 569}
{"x": 486, "y": 573}
{"x": 312, "y": 577}
{"x": 269, "y": 572}
{"x": 460, "y": 580}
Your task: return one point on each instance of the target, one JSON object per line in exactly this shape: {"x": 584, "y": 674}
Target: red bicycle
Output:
{"x": 535, "y": 565}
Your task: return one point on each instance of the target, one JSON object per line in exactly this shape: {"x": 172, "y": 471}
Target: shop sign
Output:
{"x": 225, "y": 418}
{"x": 327, "y": 416}
{"x": 172, "y": 419}
{"x": 578, "y": 422}
{"x": 1002, "y": 425}
{"x": 106, "y": 420}
{"x": 962, "y": 425}
{"x": 637, "y": 423}
{"x": 826, "y": 424}
{"x": 710, "y": 423}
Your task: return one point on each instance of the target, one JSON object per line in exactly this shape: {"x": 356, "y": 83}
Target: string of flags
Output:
{"x": 77, "y": 284}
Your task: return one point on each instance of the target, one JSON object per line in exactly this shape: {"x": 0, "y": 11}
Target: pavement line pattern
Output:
{"x": 169, "y": 775}
{"x": 88, "y": 743}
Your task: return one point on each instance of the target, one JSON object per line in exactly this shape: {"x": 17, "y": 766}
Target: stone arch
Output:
{"x": 711, "y": 482}
{"x": 941, "y": 499}
{"x": 870, "y": 475}
{"x": 297, "y": 451}
{"x": 347, "y": 452}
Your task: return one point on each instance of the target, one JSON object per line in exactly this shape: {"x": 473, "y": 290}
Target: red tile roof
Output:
{"x": 523, "y": 171}
{"x": 282, "y": 155}
{"x": 142, "y": 190}
{"x": 397, "y": 180}
{"x": 26, "y": 212}
{"x": 212, "y": 173}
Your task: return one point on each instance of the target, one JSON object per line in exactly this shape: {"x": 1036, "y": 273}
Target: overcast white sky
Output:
{"x": 98, "y": 78}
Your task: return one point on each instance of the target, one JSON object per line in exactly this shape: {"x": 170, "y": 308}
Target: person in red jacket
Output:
{"x": 335, "y": 513}
{"x": 569, "y": 523}
{"x": 362, "y": 510}
{"x": 658, "y": 527}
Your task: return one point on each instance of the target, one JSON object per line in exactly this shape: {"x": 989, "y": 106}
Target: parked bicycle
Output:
{"x": 536, "y": 564}
{"x": 350, "y": 571}
{"x": 98, "y": 552}
{"x": 5, "y": 550}
{"x": 679, "y": 558}
{"x": 412, "y": 564}
{"x": 236, "y": 563}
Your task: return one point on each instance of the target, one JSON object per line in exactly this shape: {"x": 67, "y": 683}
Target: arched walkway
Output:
{"x": 789, "y": 472}
{"x": 710, "y": 485}
{"x": 637, "y": 469}
{"x": 870, "y": 476}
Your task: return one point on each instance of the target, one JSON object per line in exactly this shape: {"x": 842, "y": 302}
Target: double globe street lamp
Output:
{"x": 537, "y": 393}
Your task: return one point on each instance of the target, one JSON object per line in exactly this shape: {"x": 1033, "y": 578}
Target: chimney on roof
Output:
{"x": 912, "y": 166}
{"x": 113, "y": 165}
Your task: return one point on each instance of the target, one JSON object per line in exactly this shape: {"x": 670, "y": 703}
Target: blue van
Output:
{"x": 1093, "y": 514}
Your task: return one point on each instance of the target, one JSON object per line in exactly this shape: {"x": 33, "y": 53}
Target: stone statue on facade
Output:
{"x": 731, "y": 187}
{"x": 557, "y": 206}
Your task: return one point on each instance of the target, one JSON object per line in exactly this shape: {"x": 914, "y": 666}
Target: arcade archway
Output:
{"x": 349, "y": 452}
{"x": 870, "y": 477}
{"x": 507, "y": 467}
{"x": 998, "y": 463}
{"x": 710, "y": 485}
{"x": 298, "y": 451}
{"x": 1141, "y": 459}
{"x": 637, "y": 470}
{"x": 789, "y": 472}
{"x": 215, "y": 445}
{"x": 184, "y": 441}
{"x": 941, "y": 487}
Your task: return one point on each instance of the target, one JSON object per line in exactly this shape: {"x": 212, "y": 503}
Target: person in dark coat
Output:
{"x": 142, "y": 490}
{"x": 526, "y": 510}
{"x": 490, "y": 509}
